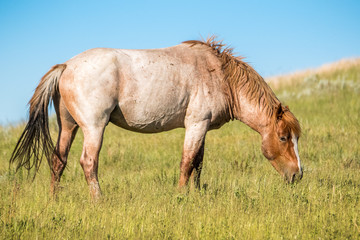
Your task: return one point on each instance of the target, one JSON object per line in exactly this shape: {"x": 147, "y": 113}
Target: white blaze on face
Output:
{"x": 295, "y": 142}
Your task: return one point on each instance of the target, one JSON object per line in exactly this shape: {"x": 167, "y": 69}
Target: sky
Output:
{"x": 275, "y": 37}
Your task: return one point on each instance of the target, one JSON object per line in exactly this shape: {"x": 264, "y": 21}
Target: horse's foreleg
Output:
{"x": 193, "y": 152}
{"x": 90, "y": 159}
{"x": 197, "y": 164}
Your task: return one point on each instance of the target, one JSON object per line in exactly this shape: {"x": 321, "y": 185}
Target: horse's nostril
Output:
{"x": 297, "y": 176}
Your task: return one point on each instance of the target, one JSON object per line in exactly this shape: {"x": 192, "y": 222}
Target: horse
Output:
{"x": 196, "y": 85}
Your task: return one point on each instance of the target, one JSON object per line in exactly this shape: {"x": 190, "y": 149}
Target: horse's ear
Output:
{"x": 279, "y": 112}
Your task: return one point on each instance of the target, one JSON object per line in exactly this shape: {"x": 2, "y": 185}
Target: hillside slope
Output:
{"x": 326, "y": 70}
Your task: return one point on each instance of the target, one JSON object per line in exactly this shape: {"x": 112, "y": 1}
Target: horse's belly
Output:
{"x": 147, "y": 121}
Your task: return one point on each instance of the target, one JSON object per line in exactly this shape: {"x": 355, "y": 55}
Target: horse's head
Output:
{"x": 280, "y": 142}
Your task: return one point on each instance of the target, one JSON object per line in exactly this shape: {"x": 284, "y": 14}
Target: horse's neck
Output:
{"x": 253, "y": 115}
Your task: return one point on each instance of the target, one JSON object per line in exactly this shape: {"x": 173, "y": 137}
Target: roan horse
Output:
{"x": 198, "y": 85}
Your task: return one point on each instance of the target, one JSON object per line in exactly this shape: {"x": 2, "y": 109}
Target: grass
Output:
{"x": 242, "y": 196}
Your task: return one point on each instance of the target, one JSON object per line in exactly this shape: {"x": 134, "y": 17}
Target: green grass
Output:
{"x": 242, "y": 196}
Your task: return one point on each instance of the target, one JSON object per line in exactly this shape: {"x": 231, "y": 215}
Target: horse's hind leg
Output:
{"x": 67, "y": 132}
{"x": 89, "y": 160}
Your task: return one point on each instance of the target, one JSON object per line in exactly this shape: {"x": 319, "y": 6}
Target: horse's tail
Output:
{"x": 35, "y": 141}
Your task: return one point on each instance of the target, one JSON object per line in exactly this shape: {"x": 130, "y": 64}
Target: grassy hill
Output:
{"x": 242, "y": 196}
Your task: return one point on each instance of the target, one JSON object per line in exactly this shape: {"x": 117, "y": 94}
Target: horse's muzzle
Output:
{"x": 296, "y": 177}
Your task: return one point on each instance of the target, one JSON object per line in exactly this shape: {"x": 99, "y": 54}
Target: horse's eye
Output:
{"x": 283, "y": 139}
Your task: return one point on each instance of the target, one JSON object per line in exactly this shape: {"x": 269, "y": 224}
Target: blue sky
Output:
{"x": 276, "y": 37}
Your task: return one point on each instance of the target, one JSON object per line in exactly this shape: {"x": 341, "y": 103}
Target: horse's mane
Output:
{"x": 242, "y": 77}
